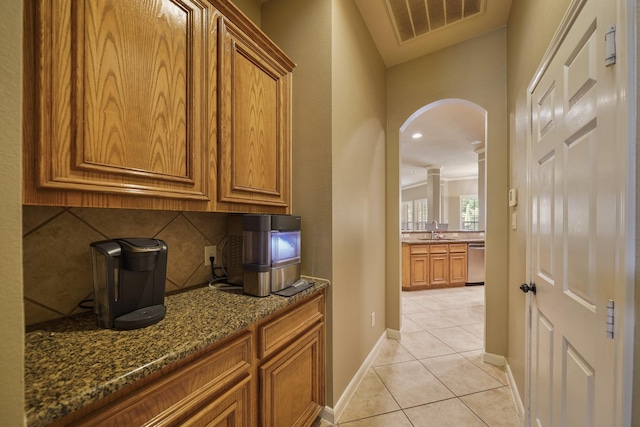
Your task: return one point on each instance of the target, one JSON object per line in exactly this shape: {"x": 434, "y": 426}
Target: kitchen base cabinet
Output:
{"x": 433, "y": 265}
{"x": 457, "y": 264}
{"x": 213, "y": 387}
{"x": 406, "y": 267}
{"x": 291, "y": 349}
{"x": 439, "y": 265}
{"x": 269, "y": 374}
{"x": 418, "y": 266}
{"x": 291, "y": 394}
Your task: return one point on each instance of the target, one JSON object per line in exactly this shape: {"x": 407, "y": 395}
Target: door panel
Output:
{"x": 575, "y": 205}
{"x": 578, "y": 386}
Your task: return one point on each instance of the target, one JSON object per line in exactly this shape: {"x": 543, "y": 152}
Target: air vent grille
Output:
{"x": 413, "y": 18}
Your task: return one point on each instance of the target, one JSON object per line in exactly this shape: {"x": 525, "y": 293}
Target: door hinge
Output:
{"x": 610, "y": 318}
{"x": 610, "y": 46}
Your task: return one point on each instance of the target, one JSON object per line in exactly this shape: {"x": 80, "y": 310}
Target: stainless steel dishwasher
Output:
{"x": 475, "y": 264}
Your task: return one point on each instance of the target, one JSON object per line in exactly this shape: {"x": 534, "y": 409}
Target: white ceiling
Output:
{"x": 448, "y": 128}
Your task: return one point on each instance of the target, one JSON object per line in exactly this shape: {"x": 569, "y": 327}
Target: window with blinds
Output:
{"x": 469, "y": 212}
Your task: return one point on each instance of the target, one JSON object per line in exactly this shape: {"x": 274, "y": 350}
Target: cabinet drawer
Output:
{"x": 419, "y": 249}
{"x": 181, "y": 393}
{"x": 458, "y": 247}
{"x": 279, "y": 332}
{"x": 439, "y": 249}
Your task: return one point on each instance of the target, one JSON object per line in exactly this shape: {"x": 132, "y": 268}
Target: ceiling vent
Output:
{"x": 413, "y": 18}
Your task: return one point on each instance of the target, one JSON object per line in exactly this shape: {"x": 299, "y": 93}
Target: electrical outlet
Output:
{"x": 373, "y": 319}
{"x": 210, "y": 251}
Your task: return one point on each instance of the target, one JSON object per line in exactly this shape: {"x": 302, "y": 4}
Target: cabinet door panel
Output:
{"x": 232, "y": 409}
{"x": 291, "y": 384}
{"x": 419, "y": 270}
{"x": 439, "y": 269}
{"x": 254, "y": 124}
{"x": 121, "y": 99}
{"x": 458, "y": 268}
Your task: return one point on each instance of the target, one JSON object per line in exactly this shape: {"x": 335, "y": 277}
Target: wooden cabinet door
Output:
{"x": 438, "y": 269}
{"x": 419, "y": 270}
{"x": 119, "y": 101}
{"x": 406, "y": 267}
{"x": 457, "y": 268}
{"x": 254, "y": 125}
{"x": 292, "y": 382}
{"x": 232, "y": 409}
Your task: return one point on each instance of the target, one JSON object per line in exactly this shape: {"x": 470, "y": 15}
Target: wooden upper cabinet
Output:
{"x": 254, "y": 139}
{"x": 118, "y": 97}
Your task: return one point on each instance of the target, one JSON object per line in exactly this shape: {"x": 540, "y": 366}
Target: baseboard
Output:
{"x": 394, "y": 334}
{"x": 497, "y": 360}
{"x": 331, "y": 415}
{"x": 494, "y": 359}
{"x": 515, "y": 394}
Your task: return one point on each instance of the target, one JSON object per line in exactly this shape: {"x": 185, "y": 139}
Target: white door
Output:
{"x": 577, "y": 241}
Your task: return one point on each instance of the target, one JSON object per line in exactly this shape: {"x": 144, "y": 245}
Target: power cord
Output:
{"x": 214, "y": 282}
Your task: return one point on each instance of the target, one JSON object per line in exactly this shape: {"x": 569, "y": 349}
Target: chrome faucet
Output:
{"x": 433, "y": 230}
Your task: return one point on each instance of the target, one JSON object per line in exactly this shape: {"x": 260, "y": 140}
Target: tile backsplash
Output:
{"x": 57, "y": 262}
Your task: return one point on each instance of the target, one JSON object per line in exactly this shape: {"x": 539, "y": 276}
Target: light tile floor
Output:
{"x": 434, "y": 375}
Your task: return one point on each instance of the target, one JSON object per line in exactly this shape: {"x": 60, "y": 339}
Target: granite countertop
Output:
{"x": 422, "y": 241}
{"x": 70, "y": 362}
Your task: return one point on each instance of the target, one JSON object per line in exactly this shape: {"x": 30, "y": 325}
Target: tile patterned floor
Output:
{"x": 434, "y": 376}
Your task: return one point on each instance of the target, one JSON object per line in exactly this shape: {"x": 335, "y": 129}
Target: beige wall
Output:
{"x": 358, "y": 140}
{"x": 338, "y": 157}
{"x": 476, "y": 71}
{"x": 11, "y": 317}
{"x": 251, "y": 8}
{"x": 310, "y": 49}
{"x": 524, "y": 52}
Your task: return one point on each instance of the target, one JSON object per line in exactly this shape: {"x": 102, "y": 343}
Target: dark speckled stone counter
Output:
{"x": 440, "y": 241}
{"x": 70, "y": 363}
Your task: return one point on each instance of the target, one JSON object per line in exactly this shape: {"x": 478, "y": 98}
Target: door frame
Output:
{"x": 626, "y": 85}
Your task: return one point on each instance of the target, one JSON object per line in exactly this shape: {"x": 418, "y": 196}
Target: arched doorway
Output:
{"x": 444, "y": 139}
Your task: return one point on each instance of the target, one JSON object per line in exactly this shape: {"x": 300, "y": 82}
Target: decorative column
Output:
{"x": 482, "y": 190}
{"x": 433, "y": 193}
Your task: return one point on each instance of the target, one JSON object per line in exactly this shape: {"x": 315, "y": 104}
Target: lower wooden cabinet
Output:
{"x": 434, "y": 265}
{"x": 439, "y": 265}
{"x": 213, "y": 389}
{"x": 457, "y": 263}
{"x": 270, "y": 374}
{"x": 291, "y": 373}
{"x": 290, "y": 391}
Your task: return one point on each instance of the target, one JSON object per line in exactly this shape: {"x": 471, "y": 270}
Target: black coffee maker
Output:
{"x": 129, "y": 278}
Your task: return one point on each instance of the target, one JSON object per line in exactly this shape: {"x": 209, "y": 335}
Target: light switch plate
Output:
{"x": 513, "y": 197}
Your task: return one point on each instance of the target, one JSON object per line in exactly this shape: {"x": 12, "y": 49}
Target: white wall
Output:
{"x": 11, "y": 306}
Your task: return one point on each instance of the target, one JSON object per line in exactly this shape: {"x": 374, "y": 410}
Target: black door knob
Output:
{"x": 526, "y": 288}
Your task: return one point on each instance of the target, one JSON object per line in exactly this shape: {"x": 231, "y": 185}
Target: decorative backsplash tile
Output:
{"x": 57, "y": 262}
